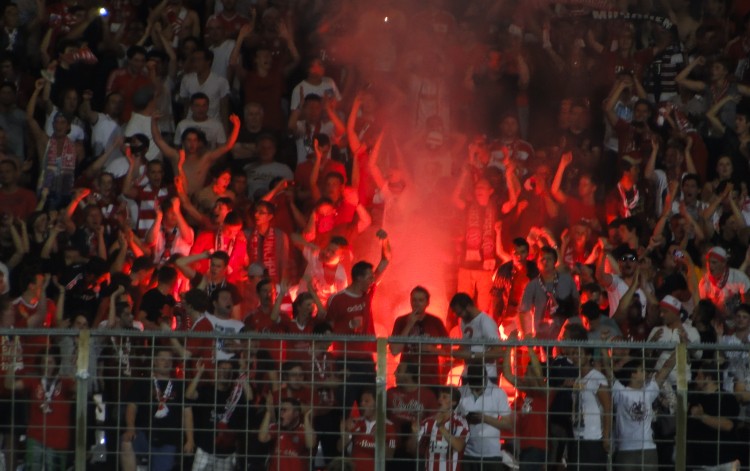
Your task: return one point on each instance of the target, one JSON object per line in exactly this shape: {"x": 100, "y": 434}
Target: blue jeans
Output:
{"x": 40, "y": 457}
{"x": 160, "y": 458}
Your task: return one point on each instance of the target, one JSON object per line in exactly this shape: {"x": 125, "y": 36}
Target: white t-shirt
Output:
{"x": 673, "y": 336}
{"x": 327, "y": 88}
{"x": 103, "y": 133}
{"x": 215, "y": 87}
{"x": 484, "y": 439}
{"x": 633, "y": 415}
{"x": 222, "y": 326}
{"x": 221, "y": 57}
{"x": 141, "y": 124}
{"x": 317, "y": 271}
{"x": 482, "y": 327}
{"x": 587, "y": 412}
{"x": 617, "y": 290}
{"x": 212, "y": 128}
{"x": 259, "y": 177}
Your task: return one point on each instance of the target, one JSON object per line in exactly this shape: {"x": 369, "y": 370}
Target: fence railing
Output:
{"x": 107, "y": 399}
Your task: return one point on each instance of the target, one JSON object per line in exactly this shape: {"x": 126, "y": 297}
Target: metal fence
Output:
{"x": 106, "y": 399}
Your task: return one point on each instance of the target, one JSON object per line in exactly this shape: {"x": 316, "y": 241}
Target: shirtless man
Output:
{"x": 193, "y": 161}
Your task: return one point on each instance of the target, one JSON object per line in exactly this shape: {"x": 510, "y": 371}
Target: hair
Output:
{"x": 367, "y": 390}
{"x": 412, "y": 369}
{"x": 335, "y": 175}
{"x": 197, "y": 299}
{"x": 207, "y": 54}
{"x": 421, "y": 289}
{"x": 166, "y": 274}
{"x": 133, "y": 50}
{"x": 550, "y": 251}
{"x": 198, "y": 96}
{"x": 744, "y": 307}
{"x": 155, "y": 163}
{"x": 267, "y": 136}
{"x": 453, "y": 392}
{"x": 221, "y": 255}
{"x": 10, "y": 162}
{"x": 631, "y": 223}
{"x": 592, "y": 288}
{"x": 475, "y": 374}
{"x": 233, "y": 218}
{"x": 263, "y": 282}
{"x": 691, "y": 176}
{"x": 360, "y": 269}
{"x": 576, "y": 332}
{"x": 520, "y": 242}
{"x": 297, "y": 303}
{"x": 460, "y": 300}
{"x": 157, "y": 54}
{"x": 11, "y": 85}
{"x": 199, "y": 133}
{"x": 625, "y": 373}
{"x": 312, "y": 97}
{"x": 221, "y": 289}
{"x": 711, "y": 369}
{"x": 288, "y": 366}
{"x": 225, "y": 200}
{"x": 142, "y": 263}
{"x": 339, "y": 240}
{"x": 266, "y": 204}
{"x": 323, "y": 139}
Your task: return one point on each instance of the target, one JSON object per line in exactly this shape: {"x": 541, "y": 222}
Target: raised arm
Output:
{"x": 683, "y": 80}
{"x": 712, "y": 115}
{"x": 555, "y": 191}
{"x": 351, "y": 133}
{"x": 168, "y": 151}
{"x": 372, "y": 164}
{"x": 385, "y": 254}
{"x": 612, "y": 99}
{"x": 621, "y": 314}
{"x": 648, "y": 171}
{"x": 231, "y": 141}
{"x": 37, "y": 132}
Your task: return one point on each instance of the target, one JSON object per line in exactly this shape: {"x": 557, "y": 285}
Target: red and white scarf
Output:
{"x": 269, "y": 250}
{"x": 162, "y": 410}
{"x": 59, "y": 169}
{"x": 480, "y": 235}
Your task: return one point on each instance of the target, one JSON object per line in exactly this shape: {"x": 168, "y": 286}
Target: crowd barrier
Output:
{"x": 97, "y": 378}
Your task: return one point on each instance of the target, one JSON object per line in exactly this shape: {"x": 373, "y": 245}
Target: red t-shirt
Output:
{"x": 531, "y": 428}
{"x": 259, "y": 321}
{"x": 291, "y": 453}
{"x": 429, "y": 326}
{"x": 126, "y": 84}
{"x": 350, "y": 314}
{"x": 51, "y": 428}
{"x": 363, "y": 443}
{"x": 20, "y": 203}
{"x": 405, "y": 407}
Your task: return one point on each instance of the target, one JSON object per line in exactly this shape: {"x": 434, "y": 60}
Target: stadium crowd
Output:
{"x": 569, "y": 169}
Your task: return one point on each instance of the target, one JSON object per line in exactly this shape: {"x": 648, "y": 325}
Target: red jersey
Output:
{"x": 297, "y": 350}
{"x": 363, "y": 443}
{"x": 531, "y": 428}
{"x": 126, "y": 84}
{"x": 50, "y": 404}
{"x": 429, "y": 363}
{"x": 236, "y": 248}
{"x": 33, "y": 344}
{"x": 290, "y": 453}
{"x": 350, "y": 314}
{"x": 405, "y": 407}
{"x": 435, "y": 448}
{"x": 19, "y": 203}
{"x": 259, "y": 321}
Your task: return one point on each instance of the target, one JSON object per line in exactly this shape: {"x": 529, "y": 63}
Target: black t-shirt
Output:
{"x": 708, "y": 446}
{"x": 157, "y": 305}
{"x": 162, "y": 420}
{"x": 209, "y": 410}
{"x": 561, "y": 370}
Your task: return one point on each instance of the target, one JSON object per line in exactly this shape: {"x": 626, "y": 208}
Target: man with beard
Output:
{"x": 617, "y": 285}
{"x": 419, "y": 323}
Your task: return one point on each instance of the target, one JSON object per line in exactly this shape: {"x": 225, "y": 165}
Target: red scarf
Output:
{"x": 480, "y": 235}
{"x": 269, "y": 250}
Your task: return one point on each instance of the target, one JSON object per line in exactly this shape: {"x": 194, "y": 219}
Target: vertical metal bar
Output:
{"x": 82, "y": 390}
{"x": 680, "y": 442}
{"x": 380, "y": 403}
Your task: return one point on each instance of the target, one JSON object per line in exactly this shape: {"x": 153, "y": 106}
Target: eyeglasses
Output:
{"x": 628, "y": 258}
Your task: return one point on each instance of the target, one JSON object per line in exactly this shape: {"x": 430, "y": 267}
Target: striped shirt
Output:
{"x": 436, "y": 449}
{"x": 147, "y": 201}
